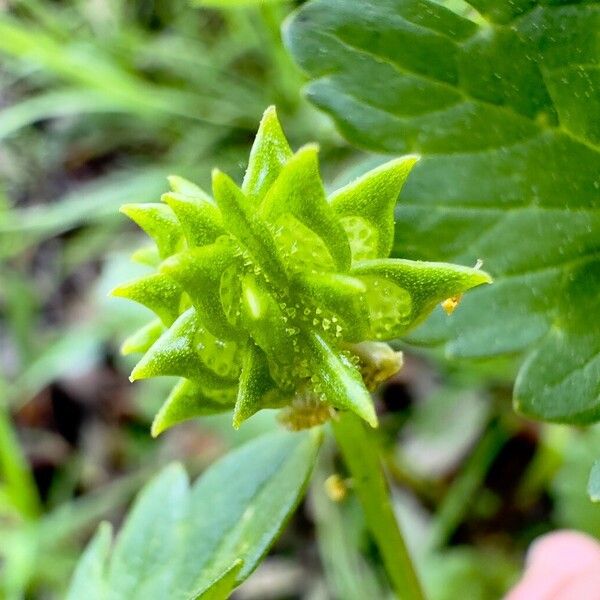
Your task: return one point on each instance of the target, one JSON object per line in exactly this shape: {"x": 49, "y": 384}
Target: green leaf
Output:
{"x": 141, "y": 564}
{"x": 256, "y": 488}
{"x": 92, "y": 203}
{"x": 182, "y": 544}
{"x": 89, "y": 576}
{"x": 568, "y": 383}
{"x": 366, "y": 207}
{"x": 18, "y": 486}
{"x": 462, "y": 571}
{"x": 46, "y": 105}
{"x": 594, "y": 482}
{"x": 221, "y": 588}
{"x": 503, "y": 106}
{"x": 577, "y": 452}
{"x": 233, "y": 3}
{"x": 571, "y": 382}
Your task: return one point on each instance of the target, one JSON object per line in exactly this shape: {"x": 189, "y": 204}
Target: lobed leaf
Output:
{"x": 502, "y": 103}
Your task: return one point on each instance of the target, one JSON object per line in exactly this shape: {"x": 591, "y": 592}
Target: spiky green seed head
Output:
{"x": 273, "y": 295}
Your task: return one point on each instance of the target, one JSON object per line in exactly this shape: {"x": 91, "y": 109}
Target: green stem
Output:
{"x": 15, "y": 472}
{"x": 345, "y": 570}
{"x": 456, "y": 504}
{"x": 362, "y": 459}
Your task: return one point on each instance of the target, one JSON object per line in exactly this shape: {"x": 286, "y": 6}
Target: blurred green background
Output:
{"x": 100, "y": 100}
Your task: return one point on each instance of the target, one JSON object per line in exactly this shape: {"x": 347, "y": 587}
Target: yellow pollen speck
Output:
{"x": 449, "y": 304}
{"x": 336, "y": 488}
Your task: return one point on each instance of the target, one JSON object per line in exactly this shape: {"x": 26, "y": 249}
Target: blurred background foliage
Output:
{"x": 100, "y": 100}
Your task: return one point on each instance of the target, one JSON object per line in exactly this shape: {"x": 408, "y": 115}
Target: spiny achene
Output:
{"x": 274, "y": 295}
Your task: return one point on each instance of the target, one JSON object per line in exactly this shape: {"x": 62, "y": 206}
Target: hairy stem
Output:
{"x": 362, "y": 459}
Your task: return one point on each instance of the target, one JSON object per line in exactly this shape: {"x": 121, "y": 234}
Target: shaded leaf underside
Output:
{"x": 503, "y": 104}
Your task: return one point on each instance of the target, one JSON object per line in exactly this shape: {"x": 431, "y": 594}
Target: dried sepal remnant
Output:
{"x": 273, "y": 295}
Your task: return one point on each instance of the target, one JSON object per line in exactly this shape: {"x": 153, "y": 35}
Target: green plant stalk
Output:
{"x": 456, "y": 502}
{"x": 15, "y": 471}
{"x": 363, "y": 462}
{"x": 348, "y": 575}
